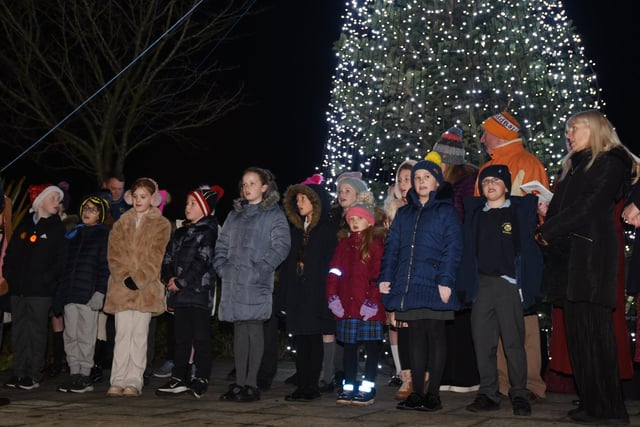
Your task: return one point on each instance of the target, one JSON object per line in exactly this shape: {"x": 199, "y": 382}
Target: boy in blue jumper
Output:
{"x": 500, "y": 273}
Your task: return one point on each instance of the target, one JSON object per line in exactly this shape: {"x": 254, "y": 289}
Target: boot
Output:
{"x": 407, "y": 386}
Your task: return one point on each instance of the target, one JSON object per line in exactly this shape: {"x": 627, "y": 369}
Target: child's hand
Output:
{"x": 445, "y": 293}
{"x": 368, "y": 309}
{"x": 384, "y": 287}
{"x": 336, "y": 306}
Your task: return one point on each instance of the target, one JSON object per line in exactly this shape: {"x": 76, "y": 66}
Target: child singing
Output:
{"x": 355, "y": 301}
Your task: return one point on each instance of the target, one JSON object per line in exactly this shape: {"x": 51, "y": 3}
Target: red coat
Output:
{"x": 358, "y": 279}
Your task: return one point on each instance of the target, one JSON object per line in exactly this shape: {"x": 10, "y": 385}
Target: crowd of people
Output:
{"x": 453, "y": 268}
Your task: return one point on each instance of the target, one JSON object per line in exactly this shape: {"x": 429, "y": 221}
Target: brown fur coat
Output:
{"x": 137, "y": 252}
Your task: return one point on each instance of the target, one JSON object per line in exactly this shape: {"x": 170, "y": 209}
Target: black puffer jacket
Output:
{"x": 86, "y": 269}
{"x": 189, "y": 258}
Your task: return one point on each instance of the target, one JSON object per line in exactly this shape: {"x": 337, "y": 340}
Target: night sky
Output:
{"x": 286, "y": 60}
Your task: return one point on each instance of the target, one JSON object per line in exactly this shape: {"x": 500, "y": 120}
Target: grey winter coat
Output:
{"x": 254, "y": 240}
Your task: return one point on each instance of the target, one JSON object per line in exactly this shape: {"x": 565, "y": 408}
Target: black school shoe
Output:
{"x": 583, "y": 418}
{"x": 233, "y": 393}
{"x": 300, "y": 395}
{"x": 249, "y": 394}
{"x": 521, "y": 406}
{"x": 431, "y": 403}
{"x": 415, "y": 402}
{"x": 482, "y": 403}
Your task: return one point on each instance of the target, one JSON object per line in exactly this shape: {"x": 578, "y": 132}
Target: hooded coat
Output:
{"x": 304, "y": 272}
{"x": 137, "y": 252}
{"x": 422, "y": 250}
{"x": 254, "y": 240}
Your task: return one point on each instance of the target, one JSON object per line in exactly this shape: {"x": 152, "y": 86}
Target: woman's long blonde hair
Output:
{"x": 603, "y": 137}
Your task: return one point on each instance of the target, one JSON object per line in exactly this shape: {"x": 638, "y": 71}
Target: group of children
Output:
{"x": 137, "y": 267}
{"x": 117, "y": 269}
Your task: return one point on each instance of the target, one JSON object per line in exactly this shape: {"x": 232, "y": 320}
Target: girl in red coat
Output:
{"x": 354, "y": 299}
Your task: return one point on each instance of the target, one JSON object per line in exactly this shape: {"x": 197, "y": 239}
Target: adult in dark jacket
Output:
{"x": 303, "y": 278}
{"x": 32, "y": 267}
{"x": 595, "y": 175}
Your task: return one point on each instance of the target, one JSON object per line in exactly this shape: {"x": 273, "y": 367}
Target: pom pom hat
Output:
{"x": 316, "y": 179}
{"x": 37, "y": 193}
{"x": 431, "y": 164}
{"x": 495, "y": 171}
{"x": 100, "y": 202}
{"x": 207, "y": 197}
{"x": 363, "y": 210}
{"x": 503, "y": 125}
{"x": 354, "y": 180}
{"x": 450, "y": 147}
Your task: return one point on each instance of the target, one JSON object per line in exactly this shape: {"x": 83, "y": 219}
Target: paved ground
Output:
{"x": 45, "y": 406}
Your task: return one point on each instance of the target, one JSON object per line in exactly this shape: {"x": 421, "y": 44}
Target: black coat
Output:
{"x": 189, "y": 258}
{"x": 302, "y": 292}
{"x": 86, "y": 269}
{"x": 583, "y": 209}
{"x": 633, "y": 274}
{"x": 35, "y": 255}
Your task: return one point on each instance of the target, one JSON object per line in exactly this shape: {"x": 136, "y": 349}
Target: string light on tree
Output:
{"x": 409, "y": 69}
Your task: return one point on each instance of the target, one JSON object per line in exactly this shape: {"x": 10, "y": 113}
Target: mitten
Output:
{"x": 96, "y": 301}
{"x": 336, "y": 306}
{"x": 368, "y": 309}
{"x": 129, "y": 283}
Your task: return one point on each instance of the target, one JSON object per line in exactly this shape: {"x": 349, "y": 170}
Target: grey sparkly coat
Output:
{"x": 254, "y": 240}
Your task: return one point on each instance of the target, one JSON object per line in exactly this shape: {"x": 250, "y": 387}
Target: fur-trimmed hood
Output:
{"x": 319, "y": 198}
{"x": 271, "y": 198}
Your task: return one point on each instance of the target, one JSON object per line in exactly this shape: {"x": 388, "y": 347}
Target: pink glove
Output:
{"x": 336, "y": 306}
{"x": 368, "y": 310}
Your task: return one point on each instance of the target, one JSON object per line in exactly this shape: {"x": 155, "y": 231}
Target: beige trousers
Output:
{"x": 130, "y": 349}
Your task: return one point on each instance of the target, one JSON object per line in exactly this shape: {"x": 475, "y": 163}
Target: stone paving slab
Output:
{"x": 47, "y": 407}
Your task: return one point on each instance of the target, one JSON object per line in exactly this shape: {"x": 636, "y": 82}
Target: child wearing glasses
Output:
{"x": 82, "y": 288}
{"x": 500, "y": 274}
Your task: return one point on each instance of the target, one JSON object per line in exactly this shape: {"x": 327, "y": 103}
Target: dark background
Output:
{"x": 285, "y": 58}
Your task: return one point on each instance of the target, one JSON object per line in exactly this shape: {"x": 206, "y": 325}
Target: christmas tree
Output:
{"x": 409, "y": 69}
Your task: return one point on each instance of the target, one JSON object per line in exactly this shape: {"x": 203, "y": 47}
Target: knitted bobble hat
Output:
{"x": 363, "y": 210}
{"x": 207, "y": 198}
{"x": 450, "y": 147}
{"x": 431, "y": 163}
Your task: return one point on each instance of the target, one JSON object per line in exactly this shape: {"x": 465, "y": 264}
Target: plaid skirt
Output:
{"x": 350, "y": 331}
